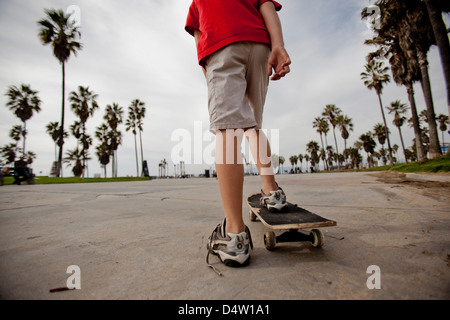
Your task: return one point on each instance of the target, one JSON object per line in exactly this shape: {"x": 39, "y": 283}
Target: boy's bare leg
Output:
{"x": 260, "y": 148}
{"x": 230, "y": 175}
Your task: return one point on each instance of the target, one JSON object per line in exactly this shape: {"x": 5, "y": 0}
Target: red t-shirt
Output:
{"x": 222, "y": 22}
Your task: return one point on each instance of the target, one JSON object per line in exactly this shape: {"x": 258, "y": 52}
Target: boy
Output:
{"x": 240, "y": 46}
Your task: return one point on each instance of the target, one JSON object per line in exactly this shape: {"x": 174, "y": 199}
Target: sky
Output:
{"x": 138, "y": 49}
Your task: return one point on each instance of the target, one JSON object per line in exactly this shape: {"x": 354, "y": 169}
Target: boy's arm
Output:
{"x": 197, "y": 36}
{"x": 279, "y": 61}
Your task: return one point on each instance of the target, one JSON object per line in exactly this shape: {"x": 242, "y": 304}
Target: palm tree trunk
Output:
{"x": 345, "y": 148}
{"x": 325, "y": 152}
{"x": 391, "y": 163}
{"x": 440, "y": 33}
{"x": 142, "y": 152}
{"x": 116, "y": 166}
{"x": 112, "y": 165}
{"x": 435, "y": 150}
{"x": 403, "y": 144}
{"x": 24, "y": 137}
{"x": 137, "y": 161}
{"x": 337, "y": 151}
{"x": 415, "y": 119}
{"x": 61, "y": 134}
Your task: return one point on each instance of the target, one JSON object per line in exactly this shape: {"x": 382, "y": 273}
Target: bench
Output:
{"x": 9, "y": 172}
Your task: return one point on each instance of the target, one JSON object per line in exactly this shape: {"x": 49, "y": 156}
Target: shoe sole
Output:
{"x": 283, "y": 209}
{"x": 234, "y": 263}
{"x": 228, "y": 262}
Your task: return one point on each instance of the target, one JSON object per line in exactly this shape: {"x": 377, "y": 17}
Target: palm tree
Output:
{"x": 163, "y": 168}
{"x": 62, "y": 33}
{"x": 139, "y": 110}
{"x": 395, "y": 149}
{"x": 281, "y": 161}
{"x": 332, "y": 112}
{"x": 8, "y": 153}
{"x": 76, "y": 129}
{"x": 160, "y": 169}
{"x": 23, "y": 102}
{"x": 84, "y": 104}
{"x": 399, "y": 109}
{"x": 130, "y": 124}
{"x": 434, "y": 9}
{"x": 306, "y": 157}
{"x": 405, "y": 71}
{"x": 16, "y": 133}
{"x": 345, "y": 124}
{"x": 420, "y": 28}
{"x": 423, "y": 116}
{"x": 415, "y": 37}
{"x": 369, "y": 146}
{"x": 355, "y": 156}
{"x": 115, "y": 140}
{"x": 380, "y": 132}
{"x": 443, "y": 122}
{"x": 114, "y": 117}
{"x": 300, "y": 158}
{"x": 75, "y": 156}
{"x": 103, "y": 150}
{"x": 53, "y": 130}
{"x": 322, "y": 127}
{"x": 293, "y": 160}
{"x": 313, "y": 147}
{"x": 375, "y": 76}
{"x": 331, "y": 155}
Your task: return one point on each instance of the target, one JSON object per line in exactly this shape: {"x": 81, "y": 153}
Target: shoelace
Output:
{"x": 247, "y": 230}
{"x": 211, "y": 251}
{"x": 277, "y": 195}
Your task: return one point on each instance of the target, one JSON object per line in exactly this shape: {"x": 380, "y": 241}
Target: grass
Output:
{"x": 54, "y": 180}
{"x": 441, "y": 164}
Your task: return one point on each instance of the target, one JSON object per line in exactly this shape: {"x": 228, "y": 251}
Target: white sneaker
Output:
{"x": 233, "y": 249}
{"x": 275, "y": 201}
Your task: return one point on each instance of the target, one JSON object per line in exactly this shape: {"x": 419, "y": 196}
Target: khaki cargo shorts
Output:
{"x": 237, "y": 86}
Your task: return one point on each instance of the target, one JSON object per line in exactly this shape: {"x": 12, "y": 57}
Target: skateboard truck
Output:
{"x": 293, "y": 224}
{"x": 315, "y": 237}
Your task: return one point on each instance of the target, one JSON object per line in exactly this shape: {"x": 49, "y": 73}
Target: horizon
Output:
{"x": 140, "y": 50}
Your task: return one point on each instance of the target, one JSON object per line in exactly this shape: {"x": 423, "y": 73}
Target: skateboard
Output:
{"x": 291, "y": 222}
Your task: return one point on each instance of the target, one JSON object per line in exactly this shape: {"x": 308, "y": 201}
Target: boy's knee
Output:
{"x": 228, "y": 146}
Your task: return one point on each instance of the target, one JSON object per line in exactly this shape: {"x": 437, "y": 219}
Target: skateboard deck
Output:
{"x": 294, "y": 220}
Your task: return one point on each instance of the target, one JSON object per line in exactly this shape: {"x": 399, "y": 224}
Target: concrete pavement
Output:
{"x": 147, "y": 240}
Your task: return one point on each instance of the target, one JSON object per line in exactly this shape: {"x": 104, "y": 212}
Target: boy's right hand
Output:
{"x": 278, "y": 64}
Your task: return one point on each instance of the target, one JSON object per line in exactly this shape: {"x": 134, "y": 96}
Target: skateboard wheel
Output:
{"x": 269, "y": 240}
{"x": 252, "y": 215}
{"x": 319, "y": 239}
